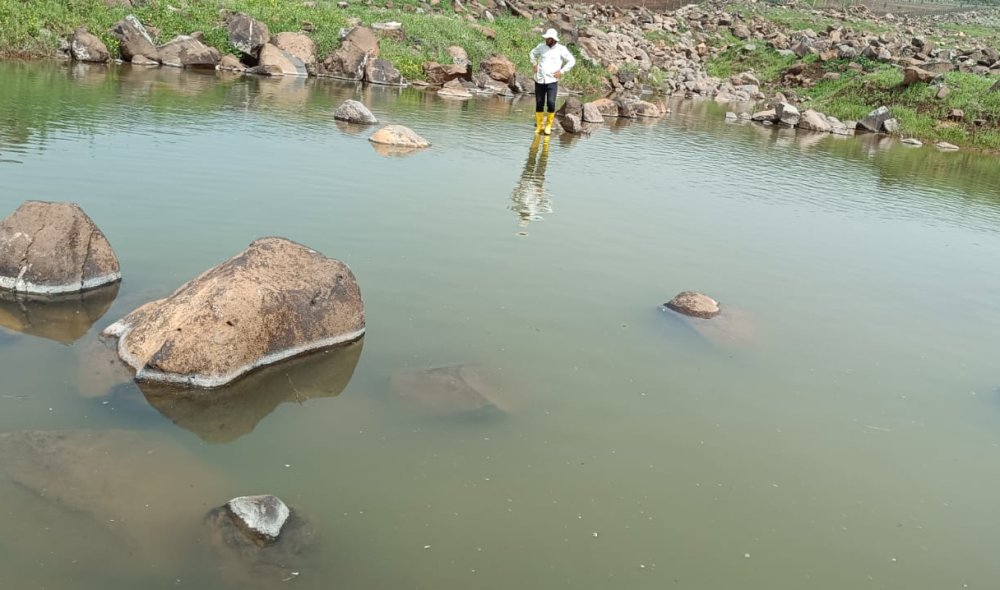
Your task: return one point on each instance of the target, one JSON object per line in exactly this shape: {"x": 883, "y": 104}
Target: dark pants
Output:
{"x": 545, "y": 94}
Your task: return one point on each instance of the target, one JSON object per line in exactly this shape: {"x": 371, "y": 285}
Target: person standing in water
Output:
{"x": 550, "y": 61}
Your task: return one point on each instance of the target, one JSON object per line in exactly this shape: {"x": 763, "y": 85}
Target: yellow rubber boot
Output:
{"x": 548, "y": 124}
{"x": 539, "y": 118}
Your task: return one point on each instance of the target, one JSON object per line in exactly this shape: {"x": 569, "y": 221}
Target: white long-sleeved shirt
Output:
{"x": 551, "y": 60}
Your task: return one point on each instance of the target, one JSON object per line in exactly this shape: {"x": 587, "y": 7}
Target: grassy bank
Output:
{"x": 33, "y": 28}
{"x": 921, "y": 114}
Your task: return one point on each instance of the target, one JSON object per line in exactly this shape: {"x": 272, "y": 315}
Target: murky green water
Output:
{"x": 845, "y": 433}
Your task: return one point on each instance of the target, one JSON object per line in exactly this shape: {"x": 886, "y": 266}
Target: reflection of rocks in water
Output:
{"x": 447, "y": 390}
{"x": 392, "y": 151}
{"x": 98, "y": 368}
{"x": 731, "y": 327}
{"x": 137, "y": 486}
{"x": 251, "y": 559}
{"x": 529, "y": 199}
{"x": 227, "y": 413}
{"x": 63, "y": 318}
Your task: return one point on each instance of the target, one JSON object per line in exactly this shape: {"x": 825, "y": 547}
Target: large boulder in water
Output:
{"x": 382, "y": 72}
{"x": 247, "y": 33}
{"x": 187, "y": 52}
{"x": 353, "y": 111}
{"x": 86, "y": 47}
{"x": 134, "y": 40}
{"x": 275, "y": 300}
{"x": 51, "y": 248}
{"x": 398, "y": 136}
{"x": 299, "y": 45}
{"x": 279, "y": 61}
{"x": 691, "y": 303}
{"x": 348, "y": 61}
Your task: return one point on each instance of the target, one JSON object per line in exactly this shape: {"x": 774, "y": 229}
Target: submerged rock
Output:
{"x": 694, "y": 304}
{"x": 275, "y": 300}
{"x": 353, "y": 111}
{"x": 62, "y": 318}
{"x": 139, "y": 487}
{"x": 52, "y": 248}
{"x": 446, "y": 390}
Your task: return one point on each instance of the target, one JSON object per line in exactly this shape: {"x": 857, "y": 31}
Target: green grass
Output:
{"x": 33, "y": 28}
{"x": 766, "y": 63}
{"x": 920, "y": 114}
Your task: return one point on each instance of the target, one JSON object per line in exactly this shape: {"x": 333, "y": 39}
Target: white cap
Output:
{"x": 551, "y": 34}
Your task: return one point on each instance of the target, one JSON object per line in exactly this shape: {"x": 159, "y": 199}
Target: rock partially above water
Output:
{"x": 274, "y": 300}
{"x": 694, "y": 304}
{"x": 353, "y": 111}
{"x": 398, "y": 136}
{"x": 134, "y": 40}
{"x": 279, "y": 61}
{"x": 51, "y": 248}
{"x": 247, "y": 33}
{"x": 187, "y": 52}
{"x": 261, "y": 516}
{"x": 251, "y": 559}
{"x": 86, "y": 47}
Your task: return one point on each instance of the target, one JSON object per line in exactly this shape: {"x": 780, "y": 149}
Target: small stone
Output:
{"x": 945, "y": 146}
{"x": 261, "y": 515}
{"x": 694, "y": 304}
{"x": 912, "y": 141}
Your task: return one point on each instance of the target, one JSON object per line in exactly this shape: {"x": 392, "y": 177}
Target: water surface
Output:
{"x": 846, "y": 436}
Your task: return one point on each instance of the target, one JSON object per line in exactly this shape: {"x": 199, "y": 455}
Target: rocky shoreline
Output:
{"x": 641, "y": 56}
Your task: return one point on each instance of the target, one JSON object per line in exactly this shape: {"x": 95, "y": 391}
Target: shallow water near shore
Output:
{"x": 841, "y": 431}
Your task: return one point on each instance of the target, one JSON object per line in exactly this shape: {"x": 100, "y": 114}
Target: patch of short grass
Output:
{"x": 34, "y": 27}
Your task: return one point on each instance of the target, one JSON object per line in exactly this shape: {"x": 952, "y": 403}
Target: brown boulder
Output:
{"x": 913, "y": 75}
{"x": 300, "y": 46}
{"x": 134, "y": 40}
{"x": 499, "y": 68}
{"x": 184, "y": 51}
{"x": 281, "y": 61}
{"x": 86, "y": 47}
{"x": 454, "y": 89}
{"x": 398, "y": 136}
{"x": 691, "y": 303}
{"x": 592, "y": 114}
{"x": 349, "y": 60}
{"x": 390, "y": 30}
{"x": 247, "y": 33}
{"x": 439, "y": 74}
{"x": 274, "y": 300}
{"x": 605, "y": 106}
{"x": 381, "y": 71}
{"x": 230, "y": 63}
{"x": 50, "y": 248}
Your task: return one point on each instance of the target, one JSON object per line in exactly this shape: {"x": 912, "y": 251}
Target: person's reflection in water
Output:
{"x": 530, "y": 200}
